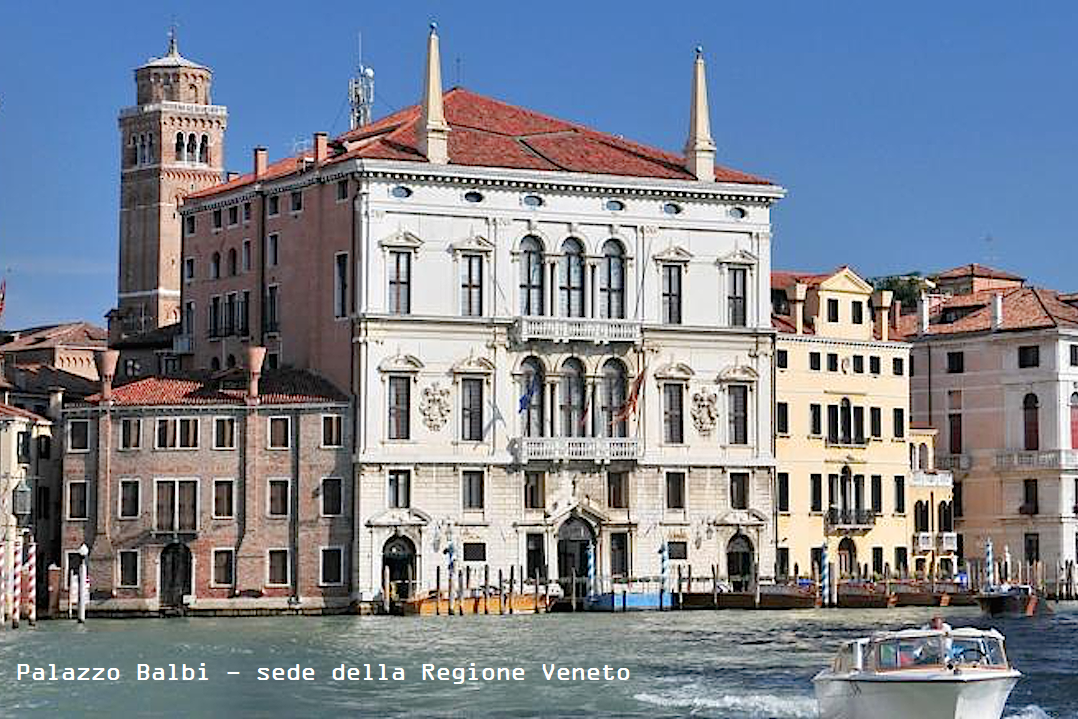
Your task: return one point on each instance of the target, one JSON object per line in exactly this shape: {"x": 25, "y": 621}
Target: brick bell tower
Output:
{"x": 172, "y": 143}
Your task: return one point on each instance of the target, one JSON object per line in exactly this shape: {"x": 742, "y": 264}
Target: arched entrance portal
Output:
{"x": 398, "y": 556}
{"x": 574, "y": 538}
{"x": 740, "y": 563}
{"x": 175, "y": 574}
{"x": 847, "y": 557}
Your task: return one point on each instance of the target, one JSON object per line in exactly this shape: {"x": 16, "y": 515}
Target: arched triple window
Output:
{"x": 573, "y": 422}
{"x": 215, "y": 266}
{"x": 571, "y": 279}
{"x": 532, "y": 285}
{"x": 846, "y": 421}
{"x": 180, "y": 155}
{"x": 1074, "y": 421}
{"x": 192, "y": 148}
{"x": 232, "y": 262}
{"x": 533, "y": 394}
{"x": 1031, "y": 422}
{"x": 613, "y": 400}
{"x": 204, "y": 150}
{"x": 612, "y": 281}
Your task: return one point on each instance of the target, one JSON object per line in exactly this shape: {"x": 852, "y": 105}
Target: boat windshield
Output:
{"x": 976, "y": 651}
{"x": 909, "y": 652}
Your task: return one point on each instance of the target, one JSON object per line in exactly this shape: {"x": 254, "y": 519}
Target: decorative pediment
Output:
{"x": 400, "y": 363}
{"x": 583, "y": 508}
{"x": 476, "y": 243}
{"x": 738, "y": 257}
{"x": 401, "y": 240}
{"x": 738, "y": 373}
{"x": 674, "y": 253}
{"x": 675, "y": 371}
{"x": 402, "y": 517}
{"x": 846, "y": 280}
{"x": 473, "y": 365}
{"x": 751, "y": 517}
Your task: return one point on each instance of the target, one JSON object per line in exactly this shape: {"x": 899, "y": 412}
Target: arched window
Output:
{"x": 913, "y": 458}
{"x": 215, "y": 266}
{"x": 232, "y": 262}
{"x": 150, "y": 157}
{"x": 612, "y": 281}
{"x": 532, "y": 274}
{"x": 613, "y": 400}
{"x": 920, "y": 516}
{"x": 845, "y": 490}
{"x": 204, "y": 150}
{"x": 1031, "y": 422}
{"x": 571, "y": 279}
{"x": 945, "y": 517}
{"x": 572, "y": 399}
{"x": 231, "y": 361}
{"x": 180, "y": 156}
{"x": 923, "y": 459}
{"x": 1074, "y": 421}
{"x": 215, "y": 364}
{"x": 846, "y": 421}
{"x": 192, "y": 148}
{"x": 141, "y": 155}
{"x": 533, "y": 398}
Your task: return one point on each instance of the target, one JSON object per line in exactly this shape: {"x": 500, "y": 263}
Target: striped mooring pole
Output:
{"x": 16, "y": 581}
{"x": 591, "y": 569}
{"x": 825, "y": 577}
{"x": 29, "y": 583}
{"x": 3, "y": 584}
{"x": 664, "y": 559}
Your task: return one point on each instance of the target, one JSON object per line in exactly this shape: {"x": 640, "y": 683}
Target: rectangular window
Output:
{"x": 278, "y": 497}
{"x": 277, "y": 573}
{"x": 677, "y": 550}
{"x": 1030, "y": 497}
{"x": 832, "y": 423}
{"x": 533, "y": 490}
{"x": 181, "y": 433}
{"x": 673, "y": 415}
{"x": 814, "y": 361}
{"x": 279, "y": 431}
{"x": 128, "y": 567}
{"x": 782, "y": 418}
{"x": 671, "y": 294}
{"x": 224, "y": 433}
{"x": 217, "y": 219}
{"x": 188, "y": 318}
{"x": 858, "y": 425}
{"x": 76, "y": 500}
{"x": 475, "y": 552}
{"x": 273, "y": 250}
{"x": 176, "y": 505}
{"x": 472, "y": 487}
{"x": 233, "y": 216}
{"x": 832, "y": 310}
{"x": 246, "y": 211}
{"x": 273, "y": 205}
{"x": 784, "y": 491}
{"x": 874, "y": 365}
{"x": 619, "y": 554}
{"x": 877, "y": 561}
{"x": 675, "y": 490}
{"x": 223, "y": 564}
{"x": 956, "y": 362}
{"x": 617, "y": 490}
{"x": 782, "y": 562}
{"x": 736, "y": 302}
{"x": 817, "y": 492}
{"x": 44, "y": 446}
{"x": 471, "y": 285}
{"x": 332, "y": 572}
{"x": 332, "y": 430}
{"x": 214, "y": 320}
{"x": 399, "y": 407}
{"x": 189, "y": 269}
{"x": 956, "y": 501}
{"x": 875, "y": 422}
{"x": 297, "y": 201}
{"x": 243, "y": 325}
{"x": 815, "y": 420}
{"x": 340, "y": 284}
{"x": 816, "y": 555}
{"x": 1033, "y": 547}
{"x": 400, "y": 488}
{"x": 332, "y": 497}
{"x": 189, "y": 225}
{"x": 900, "y": 422}
{"x": 130, "y": 433}
{"x": 1029, "y": 356}
{"x": 901, "y": 564}
{"x": 859, "y": 364}
{"x": 342, "y": 190}
{"x": 954, "y": 432}
{"x": 536, "y": 555}
{"x": 129, "y": 498}
{"x": 739, "y": 414}
{"x": 1074, "y": 355}
{"x": 832, "y": 362}
{"x": 400, "y": 283}
{"x": 897, "y": 366}
{"x": 857, "y": 312}
{"x": 223, "y": 500}
{"x": 782, "y": 360}
{"x": 739, "y": 490}
{"x": 246, "y": 256}
{"x": 78, "y": 435}
{"x": 900, "y": 494}
{"x": 877, "y": 494}
{"x": 471, "y": 410}
{"x": 273, "y": 320}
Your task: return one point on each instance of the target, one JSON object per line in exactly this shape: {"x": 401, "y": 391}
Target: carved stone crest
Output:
{"x": 705, "y": 411}
{"x": 435, "y": 406}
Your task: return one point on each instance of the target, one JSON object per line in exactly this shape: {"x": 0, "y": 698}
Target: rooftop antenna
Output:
{"x": 460, "y": 72}
{"x": 361, "y": 92}
{"x": 990, "y": 257}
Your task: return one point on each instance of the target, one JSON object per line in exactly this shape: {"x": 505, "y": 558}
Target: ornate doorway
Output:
{"x": 398, "y": 555}
{"x": 847, "y": 557}
{"x": 175, "y": 574}
{"x": 740, "y": 563}
{"x": 574, "y": 538}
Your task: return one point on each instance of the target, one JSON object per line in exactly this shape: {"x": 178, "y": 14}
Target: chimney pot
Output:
{"x": 255, "y": 357}
{"x": 922, "y": 314}
{"x": 896, "y": 313}
{"x": 106, "y": 368}
{"x": 997, "y": 311}
{"x": 259, "y": 162}
{"x": 321, "y": 147}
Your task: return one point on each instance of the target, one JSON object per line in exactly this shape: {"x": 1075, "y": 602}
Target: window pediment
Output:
{"x": 675, "y": 371}
{"x": 400, "y": 363}
{"x": 476, "y": 243}
{"x": 473, "y": 365}
{"x": 401, "y": 240}
{"x": 738, "y": 373}
{"x": 738, "y": 257}
{"x": 674, "y": 253}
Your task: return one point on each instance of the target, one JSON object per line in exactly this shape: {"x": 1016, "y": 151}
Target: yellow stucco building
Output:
{"x": 851, "y": 471}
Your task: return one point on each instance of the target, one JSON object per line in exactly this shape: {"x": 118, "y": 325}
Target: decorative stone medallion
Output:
{"x": 435, "y": 406}
{"x": 705, "y": 411}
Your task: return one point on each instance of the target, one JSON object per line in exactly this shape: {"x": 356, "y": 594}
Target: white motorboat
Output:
{"x": 932, "y": 673}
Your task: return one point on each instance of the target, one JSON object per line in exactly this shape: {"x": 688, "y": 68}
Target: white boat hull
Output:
{"x": 960, "y": 697}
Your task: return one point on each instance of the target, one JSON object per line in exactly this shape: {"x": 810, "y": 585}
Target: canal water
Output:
{"x": 747, "y": 664}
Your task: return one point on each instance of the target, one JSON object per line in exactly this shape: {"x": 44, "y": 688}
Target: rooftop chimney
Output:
{"x": 700, "y": 148}
{"x": 798, "y": 302}
{"x": 260, "y": 162}
{"x": 896, "y": 313}
{"x": 106, "y": 368}
{"x": 321, "y": 147}
{"x": 881, "y": 304}
{"x": 997, "y": 311}
{"x": 255, "y": 357}
{"x": 922, "y": 314}
{"x": 433, "y": 129}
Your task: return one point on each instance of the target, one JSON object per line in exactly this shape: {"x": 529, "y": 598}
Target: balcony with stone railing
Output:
{"x": 954, "y": 461}
{"x": 947, "y": 543}
{"x": 1038, "y": 459}
{"x": 931, "y": 479}
{"x": 576, "y": 329}
{"x": 576, "y": 449}
{"x": 922, "y": 542}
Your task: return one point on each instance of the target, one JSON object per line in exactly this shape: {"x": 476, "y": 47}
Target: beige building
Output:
{"x": 851, "y": 471}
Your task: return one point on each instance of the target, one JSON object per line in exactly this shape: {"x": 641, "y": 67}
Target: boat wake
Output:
{"x": 749, "y": 706}
{"x": 1031, "y": 711}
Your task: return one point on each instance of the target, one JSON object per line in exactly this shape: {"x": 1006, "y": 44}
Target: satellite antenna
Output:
{"x": 361, "y": 92}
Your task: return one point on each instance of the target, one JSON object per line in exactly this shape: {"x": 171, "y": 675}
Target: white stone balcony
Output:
{"x": 182, "y": 344}
{"x": 576, "y": 329}
{"x": 922, "y": 542}
{"x": 947, "y": 542}
{"x": 576, "y": 449}
{"x": 953, "y": 461}
{"x": 932, "y": 479}
{"x": 1040, "y": 459}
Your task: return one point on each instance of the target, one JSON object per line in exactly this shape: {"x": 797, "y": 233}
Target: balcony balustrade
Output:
{"x": 931, "y": 479}
{"x": 569, "y": 449}
{"x": 922, "y": 542}
{"x": 1041, "y": 459}
{"x": 953, "y": 461}
{"x": 947, "y": 542}
{"x": 577, "y": 329}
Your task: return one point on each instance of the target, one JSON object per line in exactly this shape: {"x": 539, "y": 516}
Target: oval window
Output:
{"x": 533, "y": 201}
{"x": 473, "y": 196}
{"x": 738, "y": 213}
{"x": 400, "y": 191}
{"x": 672, "y": 208}
{"x": 615, "y": 205}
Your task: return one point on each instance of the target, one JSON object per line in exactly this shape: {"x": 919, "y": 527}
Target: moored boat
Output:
{"x": 1014, "y": 600}
{"x": 934, "y": 673}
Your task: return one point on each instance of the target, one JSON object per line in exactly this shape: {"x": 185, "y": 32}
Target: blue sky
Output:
{"x": 904, "y": 133}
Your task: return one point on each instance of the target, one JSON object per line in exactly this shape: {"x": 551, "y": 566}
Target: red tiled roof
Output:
{"x": 786, "y": 325}
{"x": 8, "y": 410}
{"x": 975, "y": 270}
{"x": 485, "y": 132}
{"x": 781, "y": 279}
{"x": 70, "y": 334}
{"x": 286, "y": 386}
{"x": 1024, "y": 308}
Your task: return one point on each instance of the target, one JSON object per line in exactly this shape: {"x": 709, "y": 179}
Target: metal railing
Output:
{"x": 597, "y": 449}
{"x": 850, "y": 518}
{"x": 567, "y": 329}
{"x": 931, "y": 479}
{"x": 953, "y": 461}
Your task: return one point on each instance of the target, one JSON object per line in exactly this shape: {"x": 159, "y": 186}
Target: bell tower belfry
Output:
{"x": 172, "y": 144}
